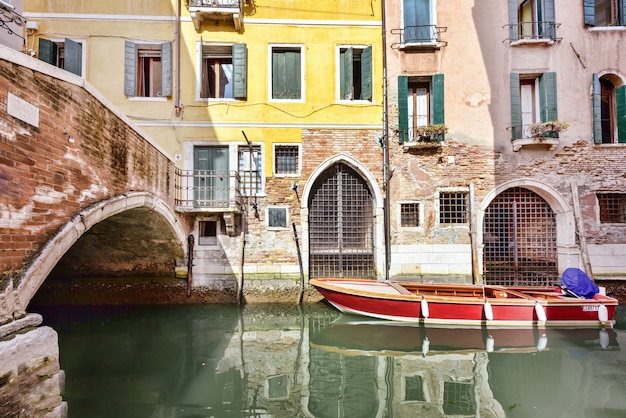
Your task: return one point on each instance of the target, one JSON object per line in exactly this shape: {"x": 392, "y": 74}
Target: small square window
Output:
{"x": 409, "y": 215}
{"x": 207, "y": 233}
{"x": 453, "y": 207}
{"x": 277, "y": 387}
{"x": 414, "y": 388}
{"x": 612, "y": 207}
{"x": 287, "y": 159}
{"x": 459, "y": 398}
{"x": 277, "y": 217}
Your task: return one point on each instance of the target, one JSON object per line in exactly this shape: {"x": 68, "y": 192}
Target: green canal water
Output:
{"x": 310, "y": 361}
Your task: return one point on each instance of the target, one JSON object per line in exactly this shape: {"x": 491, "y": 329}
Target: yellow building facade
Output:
{"x": 272, "y": 110}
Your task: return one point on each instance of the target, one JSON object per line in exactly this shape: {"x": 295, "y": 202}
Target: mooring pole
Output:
{"x": 295, "y": 235}
{"x": 190, "y": 241}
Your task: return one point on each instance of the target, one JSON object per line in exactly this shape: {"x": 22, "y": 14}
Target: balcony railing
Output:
{"x": 428, "y": 36}
{"x": 216, "y": 10}
{"x": 207, "y": 191}
{"x": 533, "y": 31}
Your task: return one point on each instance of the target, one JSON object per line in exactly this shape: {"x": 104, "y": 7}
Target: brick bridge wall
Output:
{"x": 64, "y": 149}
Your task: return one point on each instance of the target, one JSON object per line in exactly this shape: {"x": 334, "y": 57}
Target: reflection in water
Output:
{"x": 310, "y": 361}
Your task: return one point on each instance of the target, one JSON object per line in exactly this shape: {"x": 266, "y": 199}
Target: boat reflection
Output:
{"x": 287, "y": 361}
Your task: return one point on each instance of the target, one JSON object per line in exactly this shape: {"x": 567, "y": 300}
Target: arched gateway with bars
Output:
{"x": 519, "y": 236}
{"x": 341, "y": 225}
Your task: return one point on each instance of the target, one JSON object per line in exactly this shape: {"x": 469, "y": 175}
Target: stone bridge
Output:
{"x": 69, "y": 161}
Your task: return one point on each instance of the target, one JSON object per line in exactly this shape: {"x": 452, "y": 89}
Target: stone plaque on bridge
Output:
{"x": 22, "y": 110}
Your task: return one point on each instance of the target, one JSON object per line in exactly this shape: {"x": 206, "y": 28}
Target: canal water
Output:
{"x": 311, "y": 361}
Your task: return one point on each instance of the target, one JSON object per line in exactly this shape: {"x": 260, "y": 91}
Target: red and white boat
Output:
{"x": 466, "y": 304}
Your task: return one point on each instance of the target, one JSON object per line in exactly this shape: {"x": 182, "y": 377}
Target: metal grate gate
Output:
{"x": 519, "y": 236}
{"x": 341, "y": 223}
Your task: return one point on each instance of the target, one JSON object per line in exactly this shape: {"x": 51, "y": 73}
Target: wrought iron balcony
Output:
{"x": 216, "y": 11}
{"x": 416, "y": 37}
{"x": 207, "y": 191}
{"x": 533, "y": 32}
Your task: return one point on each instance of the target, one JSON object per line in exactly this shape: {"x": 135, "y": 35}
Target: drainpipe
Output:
{"x": 385, "y": 142}
{"x": 177, "y": 105}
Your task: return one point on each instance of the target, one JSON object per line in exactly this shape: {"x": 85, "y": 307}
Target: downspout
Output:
{"x": 177, "y": 105}
{"x": 385, "y": 143}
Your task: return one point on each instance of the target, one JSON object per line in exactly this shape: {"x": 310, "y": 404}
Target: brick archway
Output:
{"x": 15, "y": 300}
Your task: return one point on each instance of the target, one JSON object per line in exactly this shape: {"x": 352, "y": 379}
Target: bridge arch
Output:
{"x": 50, "y": 254}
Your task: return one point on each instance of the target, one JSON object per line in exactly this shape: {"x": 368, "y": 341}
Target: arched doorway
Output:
{"x": 341, "y": 225}
{"x": 519, "y": 236}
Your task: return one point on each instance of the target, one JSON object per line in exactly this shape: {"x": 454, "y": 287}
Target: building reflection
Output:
{"x": 271, "y": 361}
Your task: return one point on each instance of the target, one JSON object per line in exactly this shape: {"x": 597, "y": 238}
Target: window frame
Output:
{"x": 617, "y": 110}
{"x": 131, "y": 70}
{"x": 618, "y": 15}
{"x": 209, "y": 241}
{"x": 49, "y": 52}
{"x": 601, "y": 197}
{"x": 436, "y": 103}
{"x": 239, "y": 63}
{"x": 277, "y": 227}
{"x": 543, "y": 21}
{"x": 243, "y": 186}
{"x": 271, "y": 72}
{"x": 431, "y": 20}
{"x": 420, "y": 215}
{"x": 357, "y": 76}
{"x": 545, "y": 99}
{"x": 277, "y": 145}
{"x": 466, "y": 215}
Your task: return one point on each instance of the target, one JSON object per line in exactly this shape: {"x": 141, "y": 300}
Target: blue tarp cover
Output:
{"x": 578, "y": 282}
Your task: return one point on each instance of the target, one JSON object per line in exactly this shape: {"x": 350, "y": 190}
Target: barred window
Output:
{"x": 250, "y": 170}
{"x": 286, "y": 159}
{"x": 409, "y": 215}
{"x": 612, "y": 207}
{"x": 453, "y": 207}
{"x": 414, "y": 388}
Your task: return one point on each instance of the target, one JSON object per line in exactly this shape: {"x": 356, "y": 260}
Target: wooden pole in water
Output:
{"x": 580, "y": 227}
{"x": 472, "y": 222}
{"x": 190, "y": 242}
{"x": 295, "y": 234}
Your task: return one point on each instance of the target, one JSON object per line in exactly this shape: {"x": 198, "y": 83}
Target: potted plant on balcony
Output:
{"x": 549, "y": 129}
{"x": 432, "y": 133}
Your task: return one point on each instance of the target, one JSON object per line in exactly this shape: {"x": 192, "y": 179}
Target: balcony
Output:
{"x": 528, "y": 33}
{"x": 419, "y": 37}
{"x": 216, "y": 11}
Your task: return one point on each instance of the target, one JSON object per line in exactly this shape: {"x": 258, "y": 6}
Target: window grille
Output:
{"x": 459, "y": 399}
{"x": 286, "y": 159}
{"x": 453, "y": 207}
{"x": 414, "y": 388}
{"x": 612, "y": 207}
{"x": 409, "y": 215}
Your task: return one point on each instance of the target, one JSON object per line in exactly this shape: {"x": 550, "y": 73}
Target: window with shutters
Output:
{"x": 286, "y": 69}
{"x": 533, "y": 100}
{"x": 148, "y": 69}
{"x": 355, "y": 73}
{"x": 532, "y": 20}
{"x": 605, "y": 12}
{"x": 420, "y": 103}
{"x": 287, "y": 160}
{"x": 222, "y": 73}
{"x": 609, "y": 109}
{"x": 66, "y": 54}
{"x": 419, "y": 21}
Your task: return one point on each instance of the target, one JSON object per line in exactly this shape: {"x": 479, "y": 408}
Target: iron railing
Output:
{"x": 419, "y": 35}
{"x": 539, "y": 30}
{"x": 207, "y": 191}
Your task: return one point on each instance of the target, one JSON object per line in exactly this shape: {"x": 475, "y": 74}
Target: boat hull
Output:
{"x": 383, "y": 301}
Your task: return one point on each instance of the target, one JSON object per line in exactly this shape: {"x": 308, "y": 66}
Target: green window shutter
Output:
{"x": 620, "y": 101}
{"x": 417, "y": 21}
{"x": 366, "y": 74}
{"x": 597, "y": 109}
{"x": 403, "y": 108}
{"x": 240, "y": 71}
{"x": 286, "y": 70}
{"x": 346, "y": 59}
{"x": 437, "y": 114}
{"x": 547, "y": 97}
{"x": 589, "y": 9}
{"x": 513, "y": 21}
{"x": 516, "y": 107}
{"x": 48, "y": 51}
{"x": 166, "y": 69}
{"x": 130, "y": 68}
{"x": 73, "y": 57}
{"x": 548, "y": 18}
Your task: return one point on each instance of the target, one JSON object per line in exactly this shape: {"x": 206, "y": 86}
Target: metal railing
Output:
{"x": 420, "y": 35}
{"x": 539, "y": 30}
{"x": 207, "y": 191}
{"x": 218, "y": 4}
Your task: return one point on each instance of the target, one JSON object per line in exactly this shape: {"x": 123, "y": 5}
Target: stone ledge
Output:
{"x": 28, "y": 321}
